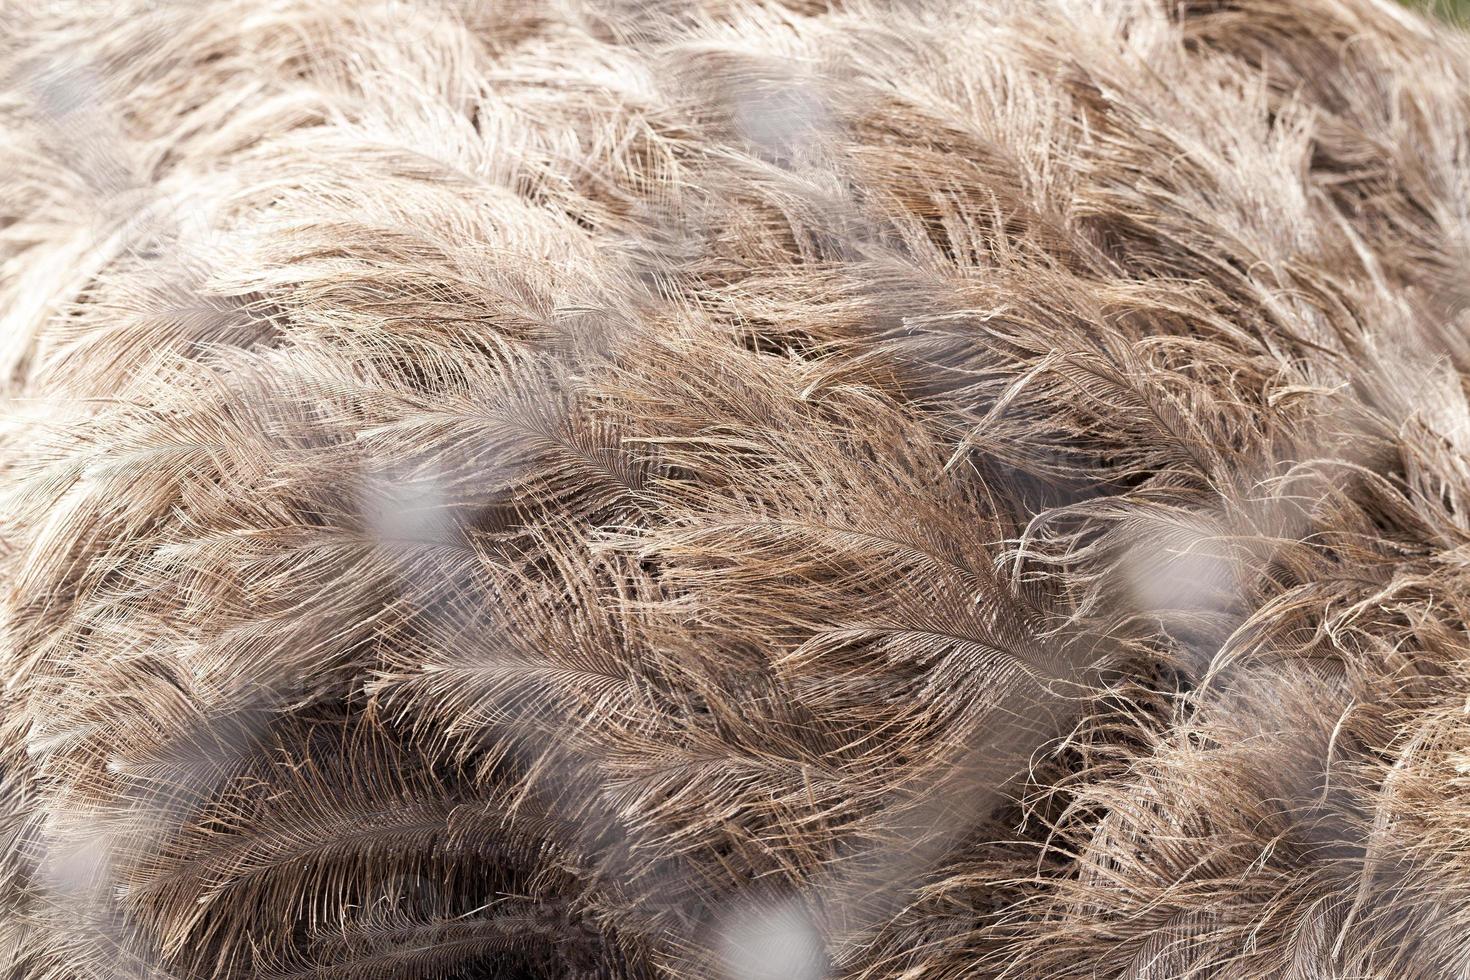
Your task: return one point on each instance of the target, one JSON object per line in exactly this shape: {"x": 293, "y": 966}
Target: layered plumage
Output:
{"x": 879, "y": 490}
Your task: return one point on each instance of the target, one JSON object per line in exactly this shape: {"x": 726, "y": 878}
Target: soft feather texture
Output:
{"x": 880, "y": 490}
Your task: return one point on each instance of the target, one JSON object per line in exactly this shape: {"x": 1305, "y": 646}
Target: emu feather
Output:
{"x": 734, "y": 489}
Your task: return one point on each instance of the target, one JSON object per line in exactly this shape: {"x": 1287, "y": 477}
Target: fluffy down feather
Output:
{"x": 737, "y": 489}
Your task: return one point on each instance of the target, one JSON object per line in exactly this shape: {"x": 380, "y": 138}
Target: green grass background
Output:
{"x": 1456, "y": 10}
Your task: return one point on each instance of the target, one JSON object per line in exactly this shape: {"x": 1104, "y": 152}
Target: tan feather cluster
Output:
{"x": 738, "y": 490}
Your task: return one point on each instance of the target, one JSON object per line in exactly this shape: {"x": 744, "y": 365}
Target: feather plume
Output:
{"x": 734, "y": 489}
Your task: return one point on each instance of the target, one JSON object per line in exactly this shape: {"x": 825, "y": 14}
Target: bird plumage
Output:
{"x": 736, "y": 489}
